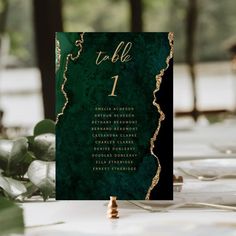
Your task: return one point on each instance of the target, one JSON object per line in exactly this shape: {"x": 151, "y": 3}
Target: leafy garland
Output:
{"x": 27, "y": 164}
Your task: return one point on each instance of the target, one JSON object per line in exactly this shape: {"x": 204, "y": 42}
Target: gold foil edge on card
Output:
{"x": 58, "y": 54}
{"x": 159, "y": 76}
{"x": 79, "y": 44}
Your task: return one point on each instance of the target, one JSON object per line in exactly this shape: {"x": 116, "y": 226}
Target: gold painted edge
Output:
{"x": 79, "y": 44}
{"x": 58, "y": 54}
{"x": 159, "y": 76}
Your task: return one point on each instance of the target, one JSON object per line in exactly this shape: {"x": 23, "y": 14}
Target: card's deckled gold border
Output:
{"x": 156, "y": 178}
{"x": 79, "y": 44}
{"x": 58, "y": 54}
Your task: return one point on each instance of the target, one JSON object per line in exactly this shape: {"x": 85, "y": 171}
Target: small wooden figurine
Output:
{"x": 112, "y": 211}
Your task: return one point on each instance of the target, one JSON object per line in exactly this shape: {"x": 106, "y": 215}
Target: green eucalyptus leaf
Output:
{"x": 42, "y": 175}
{"x": 44, "y": 126}
{"x": 11, "y": 218}
{"x": 12, "y": 152}
{"x": 19, "y": 149}
{"x": 22, "y": 167}
{"x": 5, "y": 149}
{"x": 11, "y": 187}
{"x": 44, "y": 147}
{"x": 31, "y": 142}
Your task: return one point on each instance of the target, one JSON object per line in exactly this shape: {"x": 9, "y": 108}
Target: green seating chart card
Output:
{"x": 114, "y": 132}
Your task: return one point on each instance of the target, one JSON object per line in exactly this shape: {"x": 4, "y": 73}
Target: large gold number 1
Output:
{"x": 114, "y": 86}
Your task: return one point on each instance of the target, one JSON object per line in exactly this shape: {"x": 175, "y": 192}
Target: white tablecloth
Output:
{"x": 88, "y": 218}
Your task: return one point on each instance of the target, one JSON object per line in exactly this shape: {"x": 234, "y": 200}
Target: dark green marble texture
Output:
{"x": 87, "y": 87}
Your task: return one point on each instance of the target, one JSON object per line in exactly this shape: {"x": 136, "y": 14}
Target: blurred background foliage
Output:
{"x": 19, "y": 29}
{"x": 204, "y": 35}
{"x": 216, "y": 23}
